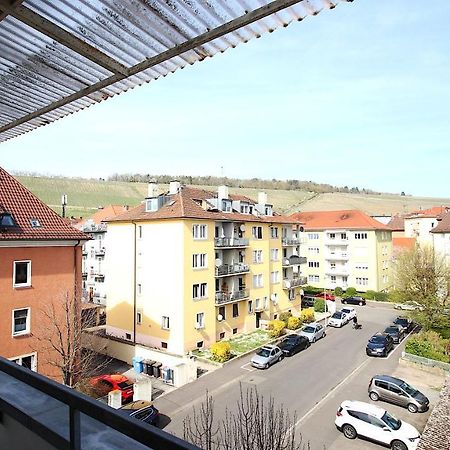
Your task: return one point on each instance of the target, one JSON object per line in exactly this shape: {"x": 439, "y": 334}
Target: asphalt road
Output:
{"x": 312, "y": 383}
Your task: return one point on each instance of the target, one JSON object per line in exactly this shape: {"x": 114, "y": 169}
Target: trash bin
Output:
{"x": 148, "y": 367}
{"x": 167, "y": 374}
{"x": 137, "y": 364}
{"x": 157, "y": 369}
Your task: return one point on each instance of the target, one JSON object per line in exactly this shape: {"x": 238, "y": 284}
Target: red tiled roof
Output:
{"x": 108, "y": 212}
{"x": 17, "y": 200}
{"x": 187, "y": 204}
{"x": 443, "y": 225}
{"x": 346, "y": 219}
{"x": 430, "y": 212}
{"x": 397, "y": 223}
{"x": 403, "y": 242}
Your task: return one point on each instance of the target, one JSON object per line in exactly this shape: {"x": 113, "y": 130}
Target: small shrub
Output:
{"x": 276, "y": 328}
{"x": 294, "y": 323}
{"x": 284, "y": 316}
{"x": 319, "y": 305}
{"x": 310, "y": 290}
{"x": 307, "y": 315}
{"x": 370, "y": 295}
{"x": 221, "y": 351}
{"x": 381, "y": 296}
{"x": 350, "y": 291}
{"x": 338, "y": 291}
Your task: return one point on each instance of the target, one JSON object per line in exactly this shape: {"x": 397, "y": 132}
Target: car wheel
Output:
{"x": 313, "y": 339}
{"x": 266, "y": 366}
{"x": 412, "y": 408}
{"x": 374, "y": 396}
{"x": 281, "y": 357}
{"x": 361, "y": 303}
{"x": 398, "y": 445}
{"x": 344, "y": 301}
{"x": 384, "y": 354}
{"x": 349, "y": 431}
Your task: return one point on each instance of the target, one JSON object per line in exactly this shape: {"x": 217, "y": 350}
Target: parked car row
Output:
{"x": 380, "y": 344}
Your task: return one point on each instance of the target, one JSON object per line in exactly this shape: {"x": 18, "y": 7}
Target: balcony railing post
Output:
{"x": 75, "y": 429}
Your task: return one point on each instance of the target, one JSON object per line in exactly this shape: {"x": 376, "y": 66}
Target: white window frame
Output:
{"x": 28, "y": 282}
{"x": 200, "y": 320}
{"x": 275, "y": 277}
{"x": 165, "y": 323}
{"x": 199, "y": 260}
{"x": 274, "y": 254}
{"x": 258, "y": 280}
{"x": 274, "y": 232}
{"x": 257, "y": 256}
{"x": 199, "y": 232}
{"x": 139, "y": 317}
{"x": 257, "y": 232}
{"x": 27, "y": 323}
{"x": 202, "y": 291}
{"x": 18, "y": 360}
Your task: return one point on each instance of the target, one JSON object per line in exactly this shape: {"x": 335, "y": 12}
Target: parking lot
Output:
{"x": 313, "y": 383}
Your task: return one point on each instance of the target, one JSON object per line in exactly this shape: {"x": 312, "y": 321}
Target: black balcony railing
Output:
{"x": 68, "y": 420}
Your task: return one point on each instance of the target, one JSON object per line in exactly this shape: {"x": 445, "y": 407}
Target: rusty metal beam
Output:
{"x": 58, "y": 34}
{"x": 11, "y": 5}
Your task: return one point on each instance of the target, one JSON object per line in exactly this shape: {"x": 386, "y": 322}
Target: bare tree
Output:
{"x": 423, "y": 276}
{"x": 59, "y": 340}
{"x": 255, "y": 424}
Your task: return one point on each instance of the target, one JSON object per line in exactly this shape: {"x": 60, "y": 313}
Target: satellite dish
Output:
{"x": 220, "y": 317}
{"x": 218, "y": 262}
{"x": 273, "y": 297}
{"x": 242, "y": 227}
{"x": 301, "y": 229}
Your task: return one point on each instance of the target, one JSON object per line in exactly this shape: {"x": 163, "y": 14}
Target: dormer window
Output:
{"x": 226, "y": 205}
{"x": 268, "y": 210}
{"x": 245, "y": 208}
{"x": 7, "y": 220}
{"x": 151, "y": 204}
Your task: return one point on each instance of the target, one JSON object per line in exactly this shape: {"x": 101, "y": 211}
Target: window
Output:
{"x": 234, "y": 330}
{"x": 199, "y": 260}
{"x": 226, "y": 205}
{"x": 362, "y": 281}
{"x": 128, "y": 336}
{"x": 200, "y": 320}
{"x": 235, "y": 310}
{"x": 21, "y": 321}
{"x": 258, "y": 281}
{"x": 22, "y": 273}
{"x": 200, "y": 290}
{"x": 332, "y": 266}
{"x": 222, "y": 312}
{"x": 200, "y": 344}
{"x": 275, "y": 277}
{"x": 139, "y": 316}
{"x": 274, "y": 254}
{"x": 314, "y": 250}
{"x": 250, "y": 306}
{"x": 313, "y": 264}
{"x": 199, "y": 231}
{"x": 361, "y": 266}
{"x": 140, "y": 231}
{"x": 139, "y": 289}
{"x": 333, "y": 279}
{"x": 291, "y": 294}
{"x": 257, "y": 256}
{"x": 360, "y": 235}
{"x": 313, "y": 236}
{"x": 28, "y": 361}
{"x": 274, "y": 232}
{"x": 222, "y": 335}
{"x": 266, "y": 302}
{"x": 257, "y": 232}
{"x": 313, "y": 278}
{"x": 164, "y": 345}
{"x": 35, "y": 223}
{"x": 344, "y": 236}
{"x": 332, "y": 235}
{"x": 165, "y": 324}
{"x": 245, "y": 208}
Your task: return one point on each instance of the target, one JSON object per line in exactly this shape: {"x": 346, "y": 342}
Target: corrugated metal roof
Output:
{"x": 57, "y": 57}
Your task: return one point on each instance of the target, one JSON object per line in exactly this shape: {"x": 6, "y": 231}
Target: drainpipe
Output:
{"x": 134, "y": 285}
{"x": 76, "y": 310}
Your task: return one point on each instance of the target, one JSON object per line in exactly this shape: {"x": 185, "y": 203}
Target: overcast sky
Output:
{"x": 356, "y": 96}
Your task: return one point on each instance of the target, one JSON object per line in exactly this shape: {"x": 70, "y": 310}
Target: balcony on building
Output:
{"x": 293, "y": 282}
{"x": 294, "y": 260}
{"x": 290, "y": 241}
{"x": 230, "y": 242}
{"x": 37, "y": 411}
{"x": 231, "y": 297}
{"x": 337, "y": 271}
{"x": 99, "y": 277}
{"x": 100, "y": 252}
{"x": 84, "y": 275}
{"x": 231, "y": 269}
{"x": 336, "y": 256}
{"x": 335, "y": 241}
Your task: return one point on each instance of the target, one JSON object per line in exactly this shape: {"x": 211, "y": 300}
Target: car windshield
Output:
{"x": 337, "y": 315}
{"x": 346, "y": 311}
{"x": 309, "y": 329}
{"x": 391, "y": 330}
{"x": 401, "y": 321}
{"x": 263, "y": 352}
{"x": 290, "y": 340}
{"x": 391, "y": 421}
{"x": 125, "y": 384}
{"x": 409, "y": 389}
{"x": 377, "y": 340}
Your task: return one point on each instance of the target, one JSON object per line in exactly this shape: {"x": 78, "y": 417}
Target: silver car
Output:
{"x": 266, "y": 356}
{"x": 313, "y": 331}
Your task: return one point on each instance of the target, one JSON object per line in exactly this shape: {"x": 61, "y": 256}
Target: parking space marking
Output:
{"x": 251, "y": 369}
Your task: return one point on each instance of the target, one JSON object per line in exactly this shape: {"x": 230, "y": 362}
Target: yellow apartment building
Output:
{"x": 190, "y": 267}
{"x": 347, "y": 249}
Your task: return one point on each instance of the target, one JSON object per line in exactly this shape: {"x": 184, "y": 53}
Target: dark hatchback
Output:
{"x": 308, "y": 301}
{"x": 380, "y": 344}
{"x": 354, "y": 300}
{"x": 405, "y": 323}
{"x": 293, "y": 344}
{"x": 397, "y": 333}
{"x": 141, "y": 410}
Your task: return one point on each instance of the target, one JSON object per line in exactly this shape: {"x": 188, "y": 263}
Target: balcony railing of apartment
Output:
{"x": 337, "y": 271}
{"x": 100, "y": 252}
{"x": 228, "y": 297}
{"x": 294, "y": 260}
{"x": 289, "y": 283}
{"x": 36, "y": 409}
{"x": 231, "y": 269}
{"x": 231, "y": 242}
{"x": 290, "y": 241}
{"x": 95, "y": 227}
{"x": 329, "y": 241}
{"x": 336, "y": 256}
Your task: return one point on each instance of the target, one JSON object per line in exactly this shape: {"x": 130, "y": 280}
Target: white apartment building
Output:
{"x": 441, "y": 237}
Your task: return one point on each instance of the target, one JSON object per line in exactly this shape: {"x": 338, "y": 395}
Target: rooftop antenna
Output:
{"x": 63, "y": 204}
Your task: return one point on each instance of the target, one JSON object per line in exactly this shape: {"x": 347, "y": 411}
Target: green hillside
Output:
{"x": 85, "y": 196}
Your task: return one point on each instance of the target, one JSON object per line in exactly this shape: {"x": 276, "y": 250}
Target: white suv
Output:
{"x": 363, "y": 419}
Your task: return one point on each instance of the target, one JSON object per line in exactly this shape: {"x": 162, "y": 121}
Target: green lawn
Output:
{"x": 444, "y": 332}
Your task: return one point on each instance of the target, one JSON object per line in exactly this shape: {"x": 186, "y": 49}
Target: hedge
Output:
{"x": 307, "y": 315}
{"x": 319, "y": 305}
{"x": 429, "y": 345}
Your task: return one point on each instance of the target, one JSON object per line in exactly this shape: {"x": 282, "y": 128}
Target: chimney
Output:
{"x": 174, "y": 187}
{"x": 152, "y": 189}
{"x": 222, "y": 192}
{"x": 262, "y": 198}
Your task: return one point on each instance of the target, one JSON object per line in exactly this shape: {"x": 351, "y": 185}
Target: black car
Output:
{"x": 380, "y": 344}
{"x": 404, "y": 323}
{"x": 293, "y": 343}
{"x": 397, "y": 333}
{"x": 141, "y": 410}
{"x": 308, "y": 301}
{"x": 354, "y": 300}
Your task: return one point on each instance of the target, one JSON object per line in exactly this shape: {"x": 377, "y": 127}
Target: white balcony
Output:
{"x": 340, "y": 242}
{"x": 232, "y": 269}
{"x": 336, "y": 256}
{"x": 289, "y": 283}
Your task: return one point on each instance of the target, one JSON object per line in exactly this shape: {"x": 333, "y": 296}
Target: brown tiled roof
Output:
{"x": 108, "y": 212}
{"x": 24, "y": 206}
{"x": 435, "y": 211}
{"x": 397, "y": 223}
{"x": 346, "y": 219}
{"x": 443, "y": 225}
{"x": 187, "y": 204}
{"x": 403, "y": 242}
